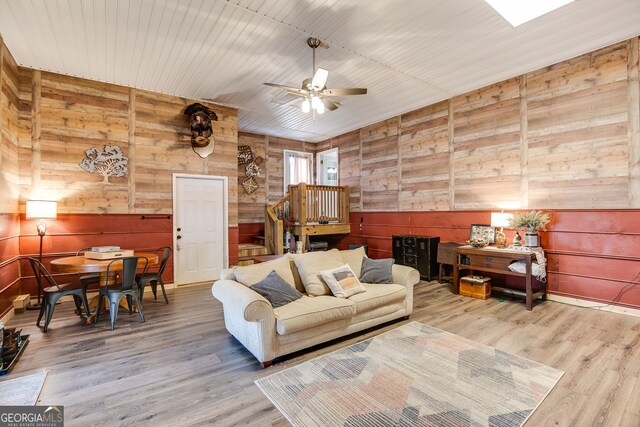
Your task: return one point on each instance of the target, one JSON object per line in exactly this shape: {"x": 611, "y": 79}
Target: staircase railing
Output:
{"x": 320, "y": 203}
{"x": 308, "y": 204}
{"x": 273, "y": 229}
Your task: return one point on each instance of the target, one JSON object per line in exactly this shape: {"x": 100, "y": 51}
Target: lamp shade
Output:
{"x": 500, "y": 219}
{"x": 42, "y": 209}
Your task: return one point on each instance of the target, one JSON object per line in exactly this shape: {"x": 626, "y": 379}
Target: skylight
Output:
{"x": 518, "y": 12}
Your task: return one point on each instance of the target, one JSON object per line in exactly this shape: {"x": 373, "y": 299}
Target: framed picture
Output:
{"x": 484, "y": 232}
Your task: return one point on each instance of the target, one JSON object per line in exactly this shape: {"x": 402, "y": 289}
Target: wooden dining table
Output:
{"x": 81, "y": 265}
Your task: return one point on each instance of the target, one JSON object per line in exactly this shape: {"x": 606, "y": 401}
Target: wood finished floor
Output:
{"x": 182, "y": 368}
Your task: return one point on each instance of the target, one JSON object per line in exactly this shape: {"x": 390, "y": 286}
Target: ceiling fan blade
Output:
{"x": 281, "y": 86}
{"x": 298, "y": 92}
{"x": 329, "y": 104}
{"x": 319, "y": 78}
{"x": 345, "y": 91}
{"x": 290, "y": 89}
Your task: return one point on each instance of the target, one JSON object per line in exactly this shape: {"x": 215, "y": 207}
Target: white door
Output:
{"x": 200, "y": 227}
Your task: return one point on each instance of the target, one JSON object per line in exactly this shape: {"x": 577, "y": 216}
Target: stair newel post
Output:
{"x": 344, "y": 205}
{"x": 301, "y": 214}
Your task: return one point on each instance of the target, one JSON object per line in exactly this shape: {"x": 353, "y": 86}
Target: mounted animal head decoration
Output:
{"x": 200, "y": 117}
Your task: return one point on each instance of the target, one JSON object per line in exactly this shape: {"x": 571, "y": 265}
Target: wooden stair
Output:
{"x": 246, "y": 251}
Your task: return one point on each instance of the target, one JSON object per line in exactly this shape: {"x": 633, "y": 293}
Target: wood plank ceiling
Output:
{"x": 408, "y": 53}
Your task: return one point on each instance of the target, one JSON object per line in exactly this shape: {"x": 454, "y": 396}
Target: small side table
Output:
{"x": 446, "y": 256}
{"x": 495, "y": 261}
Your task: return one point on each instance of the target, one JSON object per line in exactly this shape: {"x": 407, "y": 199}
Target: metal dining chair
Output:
{"x": 155, "y": 278}
{"x": 128, "y": 287}
{"x": 54, "y": 291}
{"x": 88, "y": 279}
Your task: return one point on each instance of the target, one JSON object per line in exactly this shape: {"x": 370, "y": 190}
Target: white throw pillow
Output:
{"x": 342, "y": 281}
{"x": 354, "y": 258}
{"x": 251, "y": 274}
{"x": 309, "y": 266}
{"x": 521, "y": 267}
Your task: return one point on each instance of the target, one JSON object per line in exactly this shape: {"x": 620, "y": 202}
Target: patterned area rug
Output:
{"x": 21, "y": 391}
{"x": 414, "y": 375}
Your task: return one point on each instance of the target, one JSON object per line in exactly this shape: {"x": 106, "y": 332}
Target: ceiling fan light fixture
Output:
{"x": 306, "y": 106}
{"x": 319, "y": 79}
{"x": 316, "y": 96}
{"x": 315, "y": 102}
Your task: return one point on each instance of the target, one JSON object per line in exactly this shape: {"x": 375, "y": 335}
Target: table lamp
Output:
{"x": 41, "y": 210}
{"x": 500, "y": 220}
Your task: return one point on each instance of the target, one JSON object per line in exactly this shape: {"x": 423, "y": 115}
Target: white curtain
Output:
{"x": 297, "y": 168}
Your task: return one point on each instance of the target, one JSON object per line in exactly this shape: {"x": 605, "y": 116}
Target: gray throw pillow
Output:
{"x": 376, "y": 270}
{"x": 276, "y": 290}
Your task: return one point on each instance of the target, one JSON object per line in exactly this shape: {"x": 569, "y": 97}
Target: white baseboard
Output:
{"x": 594, "y": 305}
{"x": 4, "y": 319}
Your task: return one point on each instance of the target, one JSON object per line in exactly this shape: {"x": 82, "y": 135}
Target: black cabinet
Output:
{"x": 419, "y": 252}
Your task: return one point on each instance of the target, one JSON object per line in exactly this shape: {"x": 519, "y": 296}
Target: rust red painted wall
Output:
{"x": 9, "y": 260}
{"x": 591, "y": 254}
{"x": 70, "y": 232}
{"x": 247, "y": 231}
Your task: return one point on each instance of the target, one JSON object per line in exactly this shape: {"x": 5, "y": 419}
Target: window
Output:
{"x": 297, "y": 168}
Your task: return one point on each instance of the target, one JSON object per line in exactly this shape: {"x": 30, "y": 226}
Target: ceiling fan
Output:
{"x": 314, "y": 90}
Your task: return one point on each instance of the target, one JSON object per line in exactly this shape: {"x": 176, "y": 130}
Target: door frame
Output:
{"x": 319, "y": 165}
{"x": 225, "y": 215}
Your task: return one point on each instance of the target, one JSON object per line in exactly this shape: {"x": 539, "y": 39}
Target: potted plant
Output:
{"x": 532, "y": 221}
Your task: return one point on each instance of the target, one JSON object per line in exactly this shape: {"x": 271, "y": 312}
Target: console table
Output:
{"x": 493, "y": 260}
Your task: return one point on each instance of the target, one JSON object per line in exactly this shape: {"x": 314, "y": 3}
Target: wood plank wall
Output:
{"x": 565, "y": 139}
{"x": 47, "y": 121}
{"x": 271, "y": 178}
{"x": 71, "y": 115}
{"x": 562, "y": 137}
{"x": 9, "y": 179}
{"x": 275, "y": 163}
{"x": 251, "y": 206}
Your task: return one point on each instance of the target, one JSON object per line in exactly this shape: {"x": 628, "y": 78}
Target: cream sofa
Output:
{"x": 269, "y": 333}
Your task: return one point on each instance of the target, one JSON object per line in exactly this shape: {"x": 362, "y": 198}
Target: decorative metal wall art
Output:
{"x": 110, "y": 162}
{"x": 252, "y": 170}
{"x": 200, "y": 117}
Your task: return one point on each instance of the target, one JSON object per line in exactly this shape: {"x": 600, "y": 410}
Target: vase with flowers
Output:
{"x": 288, "y": 221}
{"x": 532, "y": 222}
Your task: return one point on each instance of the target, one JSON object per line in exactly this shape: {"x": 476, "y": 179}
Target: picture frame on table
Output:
{"x": 483, "y": 231}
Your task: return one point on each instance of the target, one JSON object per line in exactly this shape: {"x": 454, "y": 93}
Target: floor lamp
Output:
{"x": 41, "y": 210}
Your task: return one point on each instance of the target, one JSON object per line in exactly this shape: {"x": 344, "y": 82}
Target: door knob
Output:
{"x": 178, "y": 237}
{"x": 179, "y": 229}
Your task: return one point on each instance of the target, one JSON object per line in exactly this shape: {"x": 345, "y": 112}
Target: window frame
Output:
{"x": 286, "y": 168}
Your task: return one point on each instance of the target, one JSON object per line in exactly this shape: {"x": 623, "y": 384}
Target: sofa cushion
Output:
{"x": 376, "y": 270}
{"x": 309, "y": 266}
{"x": 378, "y": 295}
{"x": 342, "y": 281}
{"x": 308, "y": 312}
{"x": 251, "y": 274}
{"x": 276, "y": 290}
{"x": 354, "y": 258}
